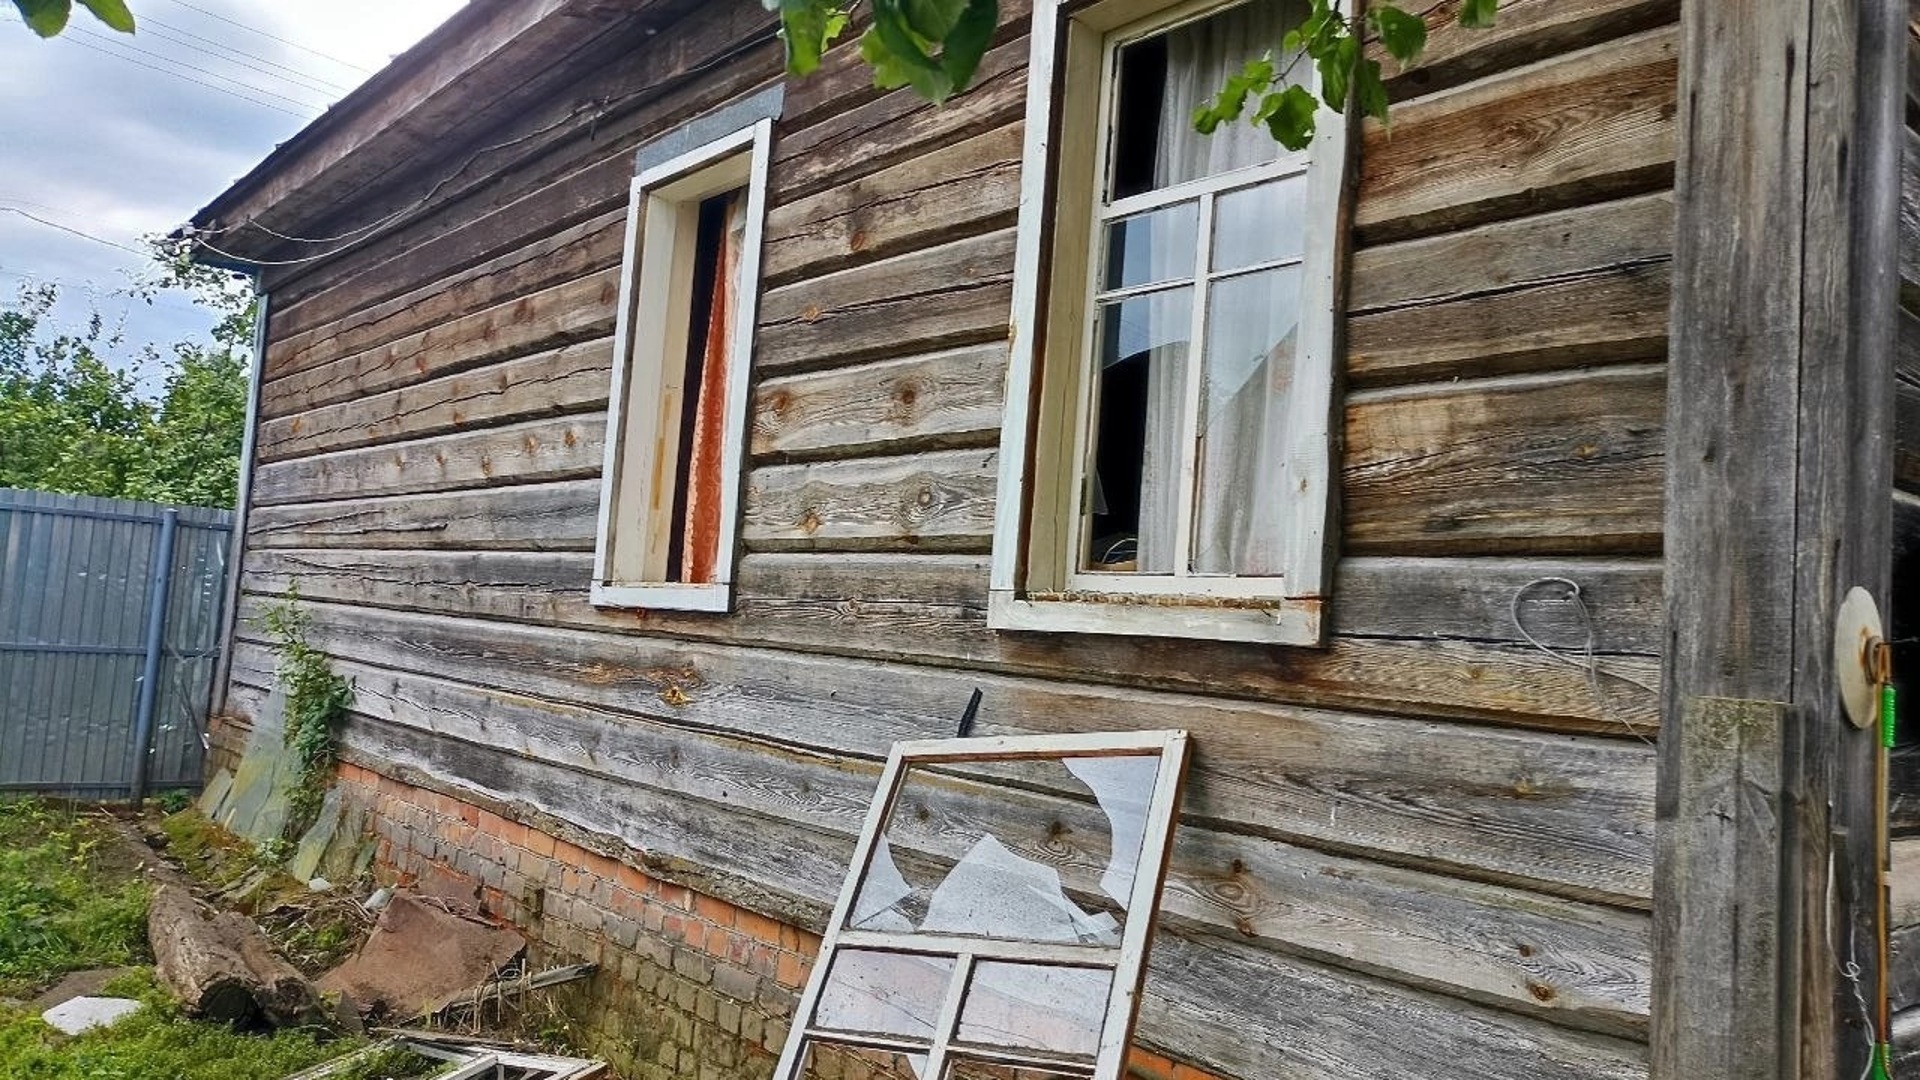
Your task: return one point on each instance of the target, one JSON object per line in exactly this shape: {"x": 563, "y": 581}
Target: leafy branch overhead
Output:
{"x": 49, "y": 17}
{"x": 935, "y": 46}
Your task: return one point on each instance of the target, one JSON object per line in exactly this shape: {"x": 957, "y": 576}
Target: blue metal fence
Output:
{"x": 109, "y": 632}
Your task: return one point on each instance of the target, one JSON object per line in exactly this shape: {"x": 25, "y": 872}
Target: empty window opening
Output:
{"x": 693, "y": 553}
{"x": 677, "y": 419}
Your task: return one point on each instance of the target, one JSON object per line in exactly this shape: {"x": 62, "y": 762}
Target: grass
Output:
{"x": 57, "y": 914}
{"x": 157, "y": 1043}
{"x": 66, "y": 906}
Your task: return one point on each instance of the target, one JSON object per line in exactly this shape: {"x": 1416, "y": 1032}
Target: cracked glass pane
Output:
{"x": 882, "y": 993}
{"x": 1036, "y": 850}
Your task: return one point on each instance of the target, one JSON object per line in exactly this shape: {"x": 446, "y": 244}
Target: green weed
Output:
{"x": 56, "y": 913}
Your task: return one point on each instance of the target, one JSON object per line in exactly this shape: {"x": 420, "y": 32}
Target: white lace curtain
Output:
{"x": 1245, "y": 456}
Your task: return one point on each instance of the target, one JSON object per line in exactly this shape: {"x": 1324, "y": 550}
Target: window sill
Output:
{"x": 663, "y": 597}
{"x": 1280, "y": 622}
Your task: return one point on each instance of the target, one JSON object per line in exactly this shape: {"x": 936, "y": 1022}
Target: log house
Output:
{"x": 1432, "y": 752}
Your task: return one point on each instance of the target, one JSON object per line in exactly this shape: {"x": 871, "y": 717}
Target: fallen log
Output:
{"x": 221, "y": 967}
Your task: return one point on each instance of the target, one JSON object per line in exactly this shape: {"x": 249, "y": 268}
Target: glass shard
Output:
{"x": 1136, "y": 456}
{"x": 1260, "y": 224}
{"x": 956, "y": 858}
{"x": 1152, "y": 247}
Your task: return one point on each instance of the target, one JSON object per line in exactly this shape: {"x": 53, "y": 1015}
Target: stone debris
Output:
{"x": 83, "y": 1014}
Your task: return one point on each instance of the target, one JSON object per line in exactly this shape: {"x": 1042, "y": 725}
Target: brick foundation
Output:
{"x": 690, "y": 987}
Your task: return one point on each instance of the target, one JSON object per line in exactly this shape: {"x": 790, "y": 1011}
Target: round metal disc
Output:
{"x": 1857, "y": 627}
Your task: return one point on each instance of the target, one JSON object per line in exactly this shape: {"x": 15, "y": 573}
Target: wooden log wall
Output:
{"x": 1424, "y": 850}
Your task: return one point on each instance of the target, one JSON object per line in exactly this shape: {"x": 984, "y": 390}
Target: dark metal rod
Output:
{"x": 156, "y": 638}
{"x": 111, "y": 515}
{"x": 106, "y": 650}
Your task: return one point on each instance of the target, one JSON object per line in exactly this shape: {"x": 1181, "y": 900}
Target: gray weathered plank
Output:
{"x": 530, "y": 452}
{"x": 572, "y": 378}
{"x": 1481, "y": 680}
{"x": 942, "y": 400}
{"x": 1568, "y": 129}
{"x": 1541, "y": 249}
{"x": 1566, "y": 814}
{"x": 954, "y": 294}
{"x": 530, "y": 517}
{"x": 938, "y": 501}
{"x": 577, "y": 310}
{"x": 967, "y": 188}
{"x": 1547, "y": 464}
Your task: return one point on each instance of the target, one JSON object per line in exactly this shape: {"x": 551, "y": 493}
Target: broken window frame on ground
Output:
{"x": 1126, "y": 960}
{"x": 468, "y": 1060}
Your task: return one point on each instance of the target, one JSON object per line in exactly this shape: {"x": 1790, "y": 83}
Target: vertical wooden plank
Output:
{"x": 1779, "y": 476}
{"x": 1723, "y": 836}
{"x": 1729, "y": 529}
{"x": 1844, "y": 531}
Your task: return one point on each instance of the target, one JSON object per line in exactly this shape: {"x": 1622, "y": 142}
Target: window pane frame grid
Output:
{"x": 1180, "y": 579}
{"x": 1126, "y": 961}
{"x": 1043, "y": 577}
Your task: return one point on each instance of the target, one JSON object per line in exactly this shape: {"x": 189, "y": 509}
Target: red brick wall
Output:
{"x": 690, "y": 987}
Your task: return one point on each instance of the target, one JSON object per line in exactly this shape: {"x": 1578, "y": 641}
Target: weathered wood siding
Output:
{"x": 1422, "y": 851}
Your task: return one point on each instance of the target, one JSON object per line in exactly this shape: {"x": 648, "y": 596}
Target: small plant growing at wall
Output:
{"x": 317, "y": 700}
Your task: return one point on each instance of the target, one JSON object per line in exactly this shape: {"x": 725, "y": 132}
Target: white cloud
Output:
{"x": 105, "y": 145}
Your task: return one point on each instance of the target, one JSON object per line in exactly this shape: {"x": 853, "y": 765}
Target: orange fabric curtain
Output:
{"x": 705, "y": 462}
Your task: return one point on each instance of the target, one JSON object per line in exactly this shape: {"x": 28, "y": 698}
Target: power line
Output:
{"x": 137, "y": 62}
{"x": 76, "y": 232}
{"x": 272, "y": 37}
{"x": 163, "y": 58}
{"x": 272, "y": 70}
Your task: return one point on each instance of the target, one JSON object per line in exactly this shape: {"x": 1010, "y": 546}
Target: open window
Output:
{"x": 1165, "y": 467}
{"x": 996, "y": 919}
{"x": 683, "y": 343}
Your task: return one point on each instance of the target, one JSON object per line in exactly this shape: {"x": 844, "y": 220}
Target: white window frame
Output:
{"x": 658, "y": 243}
{"x": 1037, "y": 582}
{"x": 1126, "y": 960}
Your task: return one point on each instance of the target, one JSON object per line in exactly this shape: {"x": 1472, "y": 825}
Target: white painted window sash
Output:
{"x": 1037, "y": 582}
{"x": 638, "y": 477}
{"x": 1126, "y": 960}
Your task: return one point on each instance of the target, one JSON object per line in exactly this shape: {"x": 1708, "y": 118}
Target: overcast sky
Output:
{"x": 116, "y": 136}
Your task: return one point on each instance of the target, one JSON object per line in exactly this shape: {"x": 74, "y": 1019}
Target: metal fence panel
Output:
{"x": 78, "y": 589}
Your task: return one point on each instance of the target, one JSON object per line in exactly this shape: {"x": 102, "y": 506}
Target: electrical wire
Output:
{"x": 90, "y": 35}
{"x": 291, "y": 76}
{"x": 355, "y": 236}
{"x": 137, "y": 62}
{"x": 76, "y": 232}
{"x": 271, "y": 36}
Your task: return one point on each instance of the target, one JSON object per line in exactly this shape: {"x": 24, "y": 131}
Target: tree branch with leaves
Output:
{"x": 48, "y": 17}
{"x": 935, "y": 46}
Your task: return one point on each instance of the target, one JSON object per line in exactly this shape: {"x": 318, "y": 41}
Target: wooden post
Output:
{"x": 1778, "y": 499}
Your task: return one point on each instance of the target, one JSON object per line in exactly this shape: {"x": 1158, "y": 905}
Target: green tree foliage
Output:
{"x": 71, "y": 421}
{"x": 49, "y": 17}
{"x": 935, "y": 46}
